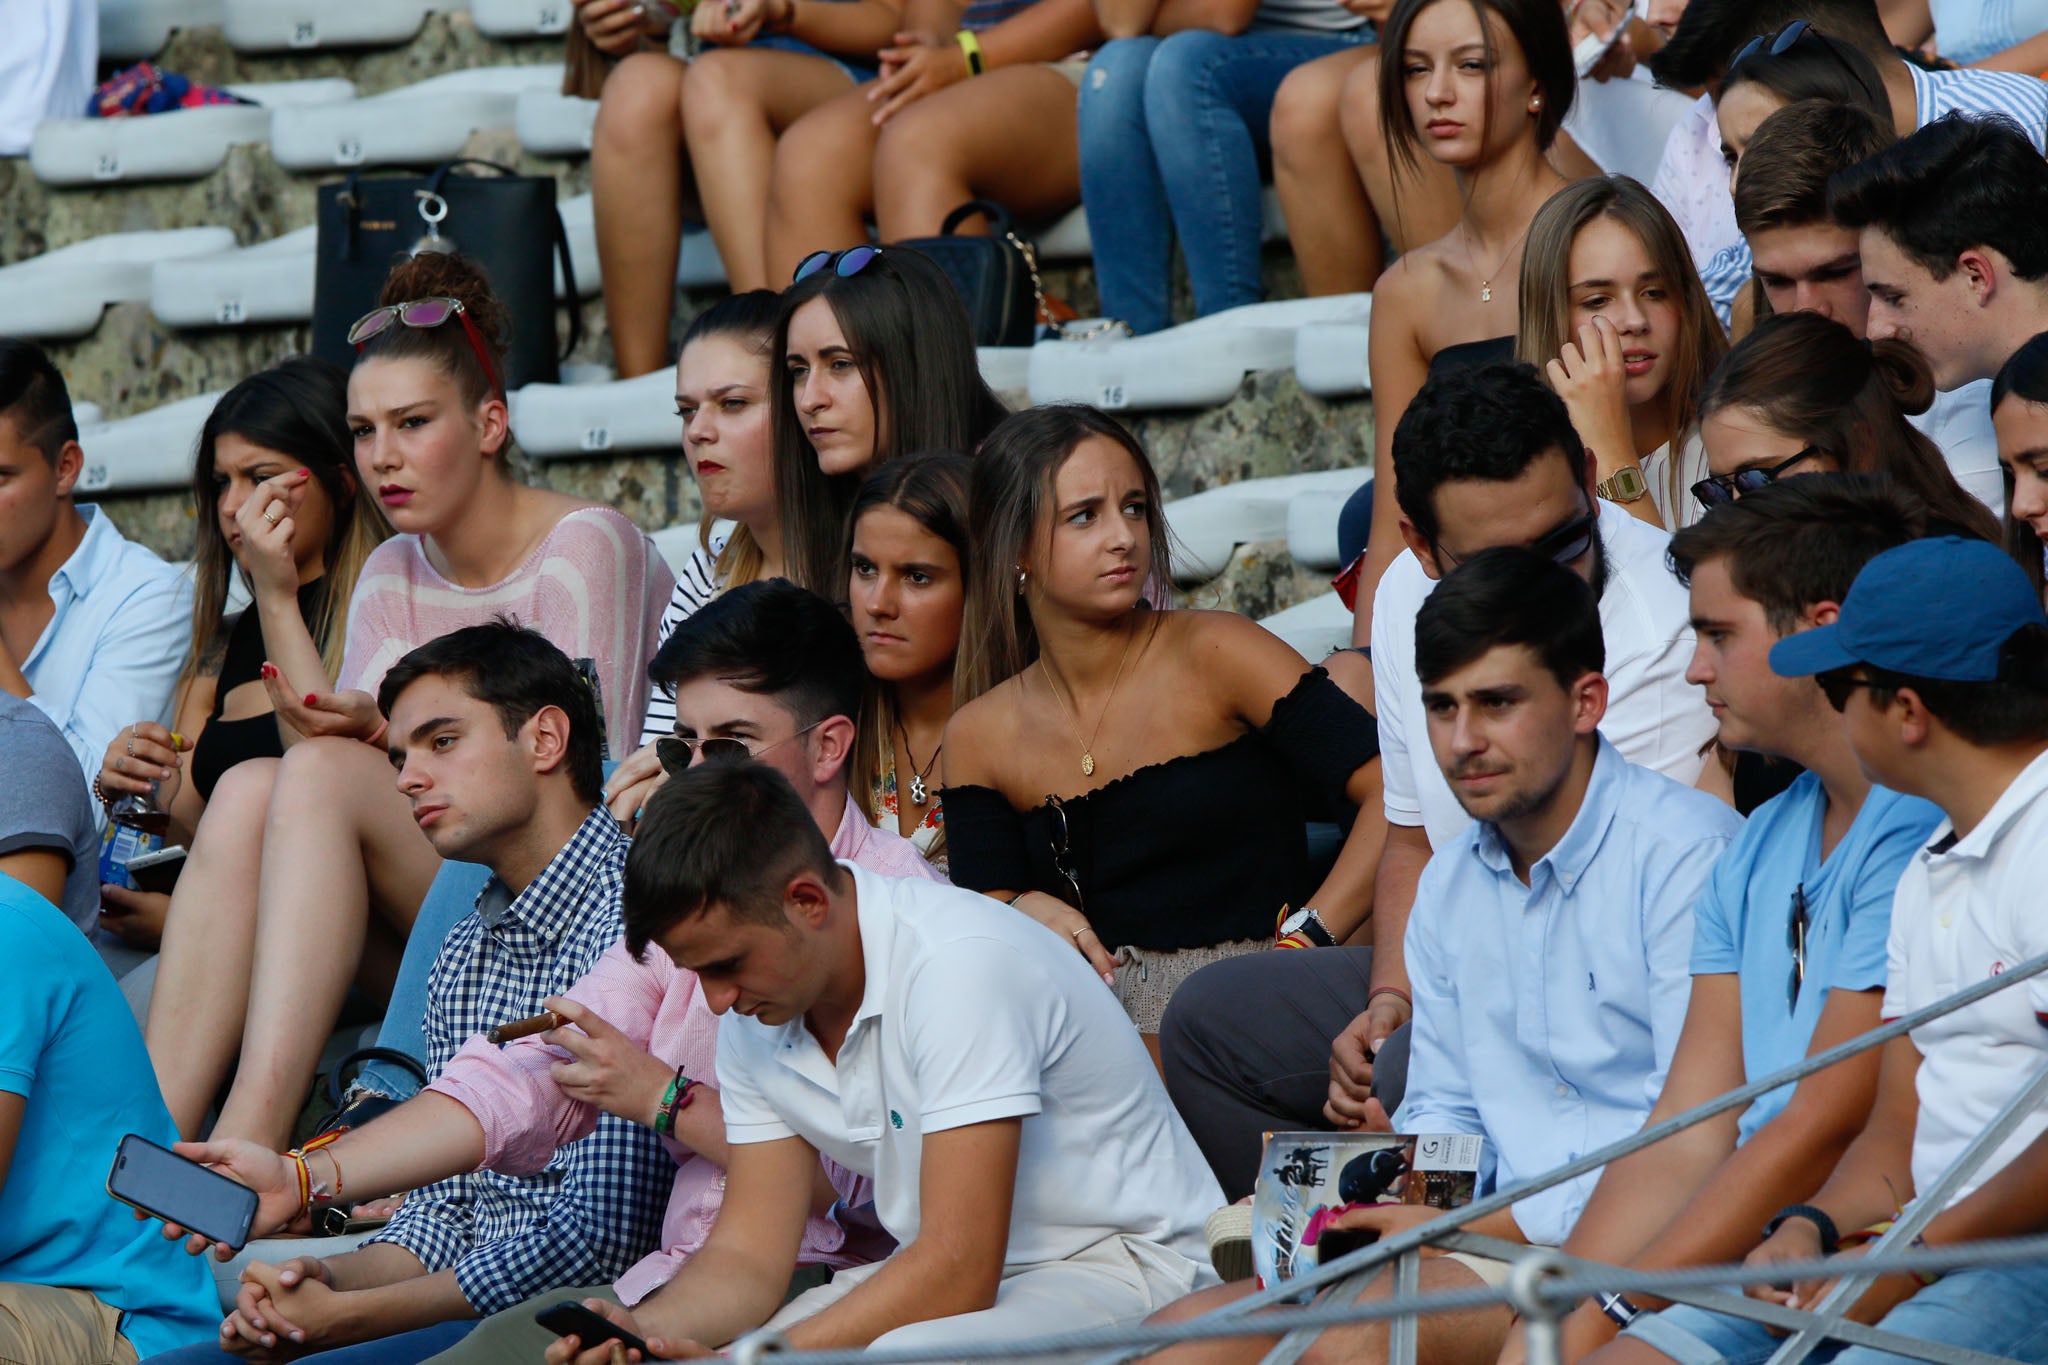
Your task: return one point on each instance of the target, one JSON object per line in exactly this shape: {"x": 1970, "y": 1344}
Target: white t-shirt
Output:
{"x": 47, "y": 66}
{"x": 1960, "y": 423}
{"x": 974, "y": 1012}
{"x": 1654, "y": 716}
{"x": 1968, "y": 909}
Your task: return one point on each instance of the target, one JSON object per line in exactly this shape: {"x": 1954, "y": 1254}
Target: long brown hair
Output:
{"x": 1546, "y": 292}
{"x": 910, "y": 336}
{"x": 1013, "y": 480}
{"x": 296, "y": 408}
{"x": 1538, "y": 27}
{"x": 930, "y": 488}
{"x": 1810, "y": 378}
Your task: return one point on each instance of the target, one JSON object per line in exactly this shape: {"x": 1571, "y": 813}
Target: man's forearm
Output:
{"x": 1401, "y": 864}
{"x": 716, "y": 1297}
{"x": 917, "y": 1284}
{"x": 2013, "y": 1203}
{"x": 430, "y": 1137}
{"x": 406, "y": 1306}
{"x": 373, "y": 1267}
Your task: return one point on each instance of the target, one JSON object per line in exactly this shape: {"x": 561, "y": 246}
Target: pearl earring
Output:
{"x": 1022, "y": 574}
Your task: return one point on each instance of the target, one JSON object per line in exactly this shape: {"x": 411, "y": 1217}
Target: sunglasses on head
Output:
{"x": 1838, "y": 684}
{"x": 425, "y": 314}
{"x": 676, "y": 751}
{"x": 1564, "y": 546}
{"x": 1777, "y": 44}
{"x": 845, "y": 264}
{"x": 1719, "y": 489}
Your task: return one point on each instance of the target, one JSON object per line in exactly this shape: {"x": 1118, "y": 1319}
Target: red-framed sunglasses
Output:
{"x": 425, "y": 314}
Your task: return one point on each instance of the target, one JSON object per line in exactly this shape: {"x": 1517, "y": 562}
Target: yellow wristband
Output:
{"x": 970, "y": 47}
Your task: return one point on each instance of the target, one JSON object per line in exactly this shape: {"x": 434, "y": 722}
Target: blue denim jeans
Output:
{"x": 1173, "y": 132}
{"x": 2001, "y": 1311}
{"x": 407, "y": 1348}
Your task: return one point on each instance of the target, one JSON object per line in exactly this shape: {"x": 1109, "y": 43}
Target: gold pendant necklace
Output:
{"x": 1073, "y": 722}
{"x": 1486, "y": 281}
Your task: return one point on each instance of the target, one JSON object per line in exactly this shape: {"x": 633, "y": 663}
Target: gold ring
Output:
{"x": 272, "y": 515}
{"x": 1086, "y": 928}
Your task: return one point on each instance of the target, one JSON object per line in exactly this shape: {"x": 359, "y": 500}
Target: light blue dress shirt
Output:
{"x": 1546, "y": 1014}
{"x": 113, "y": 650}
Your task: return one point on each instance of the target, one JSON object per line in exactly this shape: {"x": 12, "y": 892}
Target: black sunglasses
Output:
{"x": 1563, "y": 546}
{"x": 676, "y": 751}
{"x": 1789, "y": 37}
{"x": 845, "y": 264}
{"x": 1063, "y": 854}
{"x": 1839, "y": 683}
{"x": 1795, "y": 934}
{"x": 1717, "y": 490}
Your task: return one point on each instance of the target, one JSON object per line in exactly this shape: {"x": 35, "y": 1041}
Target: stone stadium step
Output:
{"x": 1209, "y": 526}
{"x": 148, "y": 451}
{"x": 297, "y": 25}
{"x": 184, "y": 144}
{"x": 549, "y": 123}
{"x": 416, "y": 125}
{"x": 131, "y": 30}
{"x": 271, "y": 282}
{"x": 62, "y": 293}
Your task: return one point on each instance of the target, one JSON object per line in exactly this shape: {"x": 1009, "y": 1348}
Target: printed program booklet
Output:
{"x": 1306, "y": 1180}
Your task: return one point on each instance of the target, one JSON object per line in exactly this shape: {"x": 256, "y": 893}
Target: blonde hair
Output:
{"x": 1546, "y": 288}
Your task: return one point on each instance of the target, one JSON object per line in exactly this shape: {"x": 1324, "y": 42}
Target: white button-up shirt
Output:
{"x": 1968, "y": 909}
{"x": 1546, "y": 1014}
{"x": 974, "y": 1012}
{"x": 1654, "y": 716}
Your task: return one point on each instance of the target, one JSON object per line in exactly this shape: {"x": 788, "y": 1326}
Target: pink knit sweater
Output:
{"x": 595, "y": 586}
{"x": 526, "y": 1117}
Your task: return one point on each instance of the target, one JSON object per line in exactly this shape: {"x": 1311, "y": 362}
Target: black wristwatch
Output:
{"x": 1830, "y": 1237}
{"x": 1309, "y": 924}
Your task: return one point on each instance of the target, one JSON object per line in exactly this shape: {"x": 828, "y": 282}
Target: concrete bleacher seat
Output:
{"x": 61, "y": 293}
{"x": 1195, "y": 365}
{"x": 1314, "y": 627}
{"x": 181, "y": 145}
{"x": 269, "y": 283}
{"x": 1330, "y": 356}
{"x": 150, "y": 450}
{"x": 1312, "y": 522}
{"x": 1066, "y": 239}
{"x": 287, "y": 25}
{"x": 1208, "y": 526}
{"x": 522, "y": 18}
{"x": 417, "y": 125}
{"x": 133, "y": 29}
{"x": 550, "y": 123}
{"x": 698, "y": 267}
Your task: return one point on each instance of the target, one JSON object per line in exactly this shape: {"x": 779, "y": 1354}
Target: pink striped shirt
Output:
{"x": 595, "y": 586}
{"x": 657, "y": 1005}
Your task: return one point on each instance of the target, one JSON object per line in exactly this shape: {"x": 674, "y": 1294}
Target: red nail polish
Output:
{"x": 311, "y": 698}
{"x": 269, "y": 672}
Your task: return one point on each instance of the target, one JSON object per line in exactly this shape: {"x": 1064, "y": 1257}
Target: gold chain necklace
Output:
{"x": 1073, "y": 721}
{"x": 1486, "y": 281}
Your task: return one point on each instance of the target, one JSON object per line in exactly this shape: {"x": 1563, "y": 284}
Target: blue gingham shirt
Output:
{"x": 2019, "y": 97}
{"x": 597, "y": 1207}
{"x": 1546, "y": 1014}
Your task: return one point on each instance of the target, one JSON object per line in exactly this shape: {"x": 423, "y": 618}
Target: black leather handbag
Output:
{"x": 506, "y": 223}
{"x": 997, "y": 275}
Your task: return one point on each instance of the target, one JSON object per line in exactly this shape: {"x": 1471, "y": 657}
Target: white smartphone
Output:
{"x": 1593, "y": 47}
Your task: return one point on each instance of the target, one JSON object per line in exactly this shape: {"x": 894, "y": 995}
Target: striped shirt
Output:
{"x": 2024, "y": 99}
{"x": 596, "y": 1208}
{"x": 696, "y": 584}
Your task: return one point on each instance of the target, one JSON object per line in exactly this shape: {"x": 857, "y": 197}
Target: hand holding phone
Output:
{"x": 571, "y": 1319}
{"x": 158, "y": 871}
{"x": 182, "y": 1192}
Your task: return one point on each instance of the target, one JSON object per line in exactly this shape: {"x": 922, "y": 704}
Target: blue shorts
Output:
{"x": 782, "y": 42}
{"x": 2002, "y": 1311}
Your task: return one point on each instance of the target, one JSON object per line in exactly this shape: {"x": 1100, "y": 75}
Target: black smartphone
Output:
{"x": 178, "y": 1190}
{"x": 157, "y": 871}
{"x": 571, "y": 1319}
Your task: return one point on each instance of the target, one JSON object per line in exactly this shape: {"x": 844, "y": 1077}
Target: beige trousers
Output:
{"x": 42, "y": 1325}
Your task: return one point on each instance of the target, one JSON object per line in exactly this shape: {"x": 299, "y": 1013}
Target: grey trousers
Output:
{"x": 1245, "y": 1046}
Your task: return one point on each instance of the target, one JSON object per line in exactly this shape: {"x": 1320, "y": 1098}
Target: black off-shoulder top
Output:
{"x": 1198, "y": 850}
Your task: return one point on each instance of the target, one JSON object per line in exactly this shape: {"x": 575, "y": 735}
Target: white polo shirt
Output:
{"x": 1968, "y": 909}
{"x": 975, "y": 1012}
{"x": 1654, "y": 716}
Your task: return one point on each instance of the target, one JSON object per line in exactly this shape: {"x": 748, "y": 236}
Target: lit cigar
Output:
{"x": 523, "y": 1028}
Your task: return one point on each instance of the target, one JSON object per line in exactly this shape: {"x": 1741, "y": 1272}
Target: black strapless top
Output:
{"x": 224, "y": 743}
{"x": 1198, "y": 850}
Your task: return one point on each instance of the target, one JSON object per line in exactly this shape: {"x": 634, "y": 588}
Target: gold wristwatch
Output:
{"x": 1626, "y": 485}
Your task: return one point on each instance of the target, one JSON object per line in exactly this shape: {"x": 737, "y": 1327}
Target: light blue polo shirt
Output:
{"x": 69, "y": 1046}
{"x": 1743, "y": 921}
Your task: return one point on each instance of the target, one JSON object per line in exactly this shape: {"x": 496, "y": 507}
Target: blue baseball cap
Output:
{"x": 1940, "y": 609}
